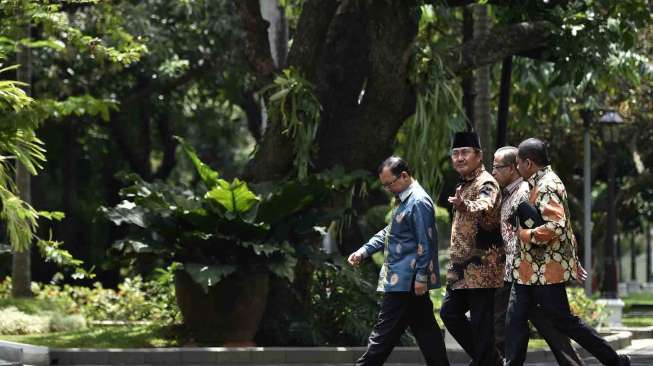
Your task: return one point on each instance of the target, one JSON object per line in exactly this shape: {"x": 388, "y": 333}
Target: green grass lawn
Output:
{"x": 138, "y": 336}
{"x": 536, "y": 343}
{"x": 639, "y": 321}
{"x": 641, "y": 298}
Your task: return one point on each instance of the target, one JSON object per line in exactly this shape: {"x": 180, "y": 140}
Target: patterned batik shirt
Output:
{"x": 477, "y": 256}
{"x": 514, "y": 194}
{"x": 409, "y": 244}
{"x": 548, "y": 252}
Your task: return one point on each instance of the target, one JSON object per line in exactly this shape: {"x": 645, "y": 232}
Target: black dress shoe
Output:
{"x": 624, "y": 360}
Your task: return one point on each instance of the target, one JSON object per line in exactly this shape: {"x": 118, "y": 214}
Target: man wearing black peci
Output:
{"x": 477, "y": 258}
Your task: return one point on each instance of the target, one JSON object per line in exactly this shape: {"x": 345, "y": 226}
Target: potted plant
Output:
{"x": 225, "y": 239}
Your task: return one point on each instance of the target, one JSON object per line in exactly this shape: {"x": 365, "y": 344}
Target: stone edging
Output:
{"x": 638, "y": 332}
{"x": 44, "y": 356}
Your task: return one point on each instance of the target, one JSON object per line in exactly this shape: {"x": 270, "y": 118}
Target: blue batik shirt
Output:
{"x": 409, "y": 243}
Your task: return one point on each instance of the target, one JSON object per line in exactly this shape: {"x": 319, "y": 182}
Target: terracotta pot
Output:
{"x": 229, "y": 314}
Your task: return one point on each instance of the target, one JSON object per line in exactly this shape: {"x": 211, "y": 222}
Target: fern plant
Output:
{"x": 291, "y": 99}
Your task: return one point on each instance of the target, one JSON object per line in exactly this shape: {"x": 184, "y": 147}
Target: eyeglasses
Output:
{"x": 388, "y": 185}
{"x": 464, "y": 152}
{"x": 497, "y": 167}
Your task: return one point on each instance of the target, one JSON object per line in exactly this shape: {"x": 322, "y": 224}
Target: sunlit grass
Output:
{"x": 536, "y": 343}
{"x": 639, "y": 321}
{"x": 640, "y": 298}
{"x": 138, "y": 336}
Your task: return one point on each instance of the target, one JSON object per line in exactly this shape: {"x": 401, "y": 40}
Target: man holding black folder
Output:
{"x": 546, "y": 260}
{"x": 514, "y": 195}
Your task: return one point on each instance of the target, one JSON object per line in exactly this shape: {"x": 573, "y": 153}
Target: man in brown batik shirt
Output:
{"x": 477, "y": 256}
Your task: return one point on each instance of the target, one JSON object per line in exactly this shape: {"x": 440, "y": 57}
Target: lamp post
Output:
{"x": 610, "y": 122}
{"x": 649, "y": 273}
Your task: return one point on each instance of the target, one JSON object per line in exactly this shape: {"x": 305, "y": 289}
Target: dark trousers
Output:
{"x": 554, "y": 304}
{"x": 476, "y": 335}
{"x": 560, "y": 344}
{"x": 398, "y": 311}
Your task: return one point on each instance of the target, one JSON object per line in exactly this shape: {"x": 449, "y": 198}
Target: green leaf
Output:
{"x": 127, "y": 212}
{"x": 261, "y": 249}
{"x": 134, "y": 246}
{"x": 208, "y": 175}
{"x": 52, "y": 215}
{"x": 55, "y": 44}
{"x": 207, "y": 276}
{"x": 235, "y": 197}
{"x": 284, "y": 268}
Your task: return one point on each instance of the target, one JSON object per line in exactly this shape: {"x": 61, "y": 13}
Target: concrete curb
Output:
{"x": 617, "y": 340}
{"x": 43, "y": 356}
{"x": 638, "y": 333}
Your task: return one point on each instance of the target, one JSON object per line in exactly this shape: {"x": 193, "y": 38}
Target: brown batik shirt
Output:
{"x": 477, "y": 255}
{"x": 547, "y": 253}
{"x": 514, "y": 194}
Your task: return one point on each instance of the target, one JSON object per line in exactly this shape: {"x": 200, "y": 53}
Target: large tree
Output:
{"x": 353, "y": 48}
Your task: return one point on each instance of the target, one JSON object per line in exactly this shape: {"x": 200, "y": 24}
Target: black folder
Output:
{"x": 529, "y": 216}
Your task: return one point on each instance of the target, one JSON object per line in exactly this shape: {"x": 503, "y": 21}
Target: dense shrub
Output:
{"x": 14, "y": 321}
{"x": 586, "y": 308}
{"x": 133, "y": 300}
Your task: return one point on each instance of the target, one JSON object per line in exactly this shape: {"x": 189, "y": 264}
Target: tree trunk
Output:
{"x": 649, "y": 275}
{"x": 482, "y": 113}
{"x": 504, "y": 101}
{"x": 69, "y": 228}
{"x": 467, "y": 83}
{"x": 633, "y": 258}
{"x": 21, "y": 269}
{"x": 344, "y": 46}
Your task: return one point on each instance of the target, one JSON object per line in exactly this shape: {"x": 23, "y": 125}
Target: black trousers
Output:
{"x": 554, "y": 304}
{"x": 398, "y": 311}
{"x": 560, "y": 344}
{"x": 476, "y": 335}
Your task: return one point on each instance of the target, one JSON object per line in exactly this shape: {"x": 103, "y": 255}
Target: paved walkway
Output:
{"x": 641, "y": 352}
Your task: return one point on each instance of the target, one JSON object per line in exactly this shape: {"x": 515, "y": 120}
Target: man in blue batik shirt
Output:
{"x": 410, "y": 269}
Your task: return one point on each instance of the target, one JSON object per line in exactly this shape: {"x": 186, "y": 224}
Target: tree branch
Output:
{"x": 497, "y": 45}
{"x": 460, "y": 3}
{"x": 118, "y": 135}
{"x": 252, "y": 109}
{"x": 167, "y": 87}
{"x": 275, "y": 154}
{"x": 258, "y": 45}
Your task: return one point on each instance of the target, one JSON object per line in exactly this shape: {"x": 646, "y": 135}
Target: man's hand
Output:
{"x": 457, "y": 201}
{"x": 524, "y": 235}
{"x": 355, "y": 258}
{"x": 420, "y": 288}
{"x": 581, "y": 274}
